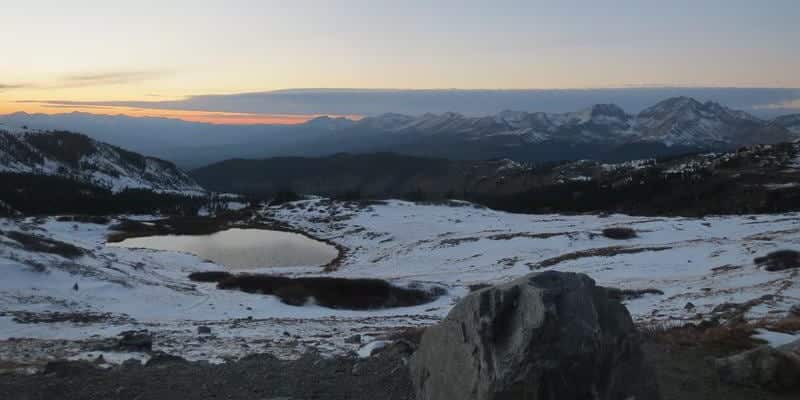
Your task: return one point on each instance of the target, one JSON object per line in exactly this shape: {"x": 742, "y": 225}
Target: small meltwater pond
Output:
{"x": 239, "y": 249}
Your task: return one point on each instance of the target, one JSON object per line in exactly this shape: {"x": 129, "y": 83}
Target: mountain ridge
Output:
{"x": 76, "y": 156}
{"x": 602, "y": 131}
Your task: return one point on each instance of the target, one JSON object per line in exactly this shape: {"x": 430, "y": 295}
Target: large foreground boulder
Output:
{"x": 776, "y": 369}
{"x": 546, "y": 336}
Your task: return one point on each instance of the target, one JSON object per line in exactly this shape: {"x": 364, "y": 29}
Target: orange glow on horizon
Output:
{"x": 211, "y": 117}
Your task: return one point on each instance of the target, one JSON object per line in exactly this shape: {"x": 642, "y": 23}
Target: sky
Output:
{"x": 133, "y": 57}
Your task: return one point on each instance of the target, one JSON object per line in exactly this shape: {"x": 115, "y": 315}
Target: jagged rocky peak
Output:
{"x": 609, "y": 110}
{"x": 331, "y": 123}
{"x": 687, "y": 108}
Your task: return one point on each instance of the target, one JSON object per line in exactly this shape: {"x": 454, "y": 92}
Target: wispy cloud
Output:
{"x": 111, "y": 78}
{"x": 470, "y": 102}
{"x": 784, "y": 105}
{"x": 4, "y": 87}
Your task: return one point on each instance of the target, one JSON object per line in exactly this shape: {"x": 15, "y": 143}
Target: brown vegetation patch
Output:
{"x": 598, "y": 252}
{"x": 725, "y": 268}
{"x": 619, "y": 233}
{"x": 529, "y": 235}
{"x": 736, "y": 311}
{"x": 209, "y": 276}
{"x": 719, "y": 339}
{"x": 40, "y": 244}
{"x": 457, "y": 241}
{"x": 340, "y": 293}
{"x": 629, "y": 294}
{"x": 86, "y": 219}
{"x": 25, "y": 317}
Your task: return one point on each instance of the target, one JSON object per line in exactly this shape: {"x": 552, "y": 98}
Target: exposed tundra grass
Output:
{"x": 209, "y": 276}
{"x": 41, "y": 244}
{"x": 599, "y": 252}
{"x": 619, "y": 233}
{"x": 779, "y": 260}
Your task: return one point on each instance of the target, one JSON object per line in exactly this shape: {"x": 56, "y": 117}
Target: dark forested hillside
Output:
{"x": 32, "y": 194}
{"x": 755, "y": 179}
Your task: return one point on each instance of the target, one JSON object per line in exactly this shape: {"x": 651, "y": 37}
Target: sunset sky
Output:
{"x": 58, "y": 56}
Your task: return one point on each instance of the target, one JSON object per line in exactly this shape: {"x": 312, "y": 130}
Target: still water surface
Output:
{"x": 243, "y": 248}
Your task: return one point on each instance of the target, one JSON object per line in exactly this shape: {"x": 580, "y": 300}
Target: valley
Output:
{"x": 74, "y": 305}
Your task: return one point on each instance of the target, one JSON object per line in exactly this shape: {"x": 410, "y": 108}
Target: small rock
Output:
{"x": 689, "y": 306}
{"x": 131, "y": 363}
{"x": 68, "y": 368}
{"x": 795, "y": 310}
{"x": 355, "y": 339}
{"x": 767, "y": 367}
{"x": 203, "y": 330}
{"x": 135, "y": 341}
{"x": 164, "y": 359}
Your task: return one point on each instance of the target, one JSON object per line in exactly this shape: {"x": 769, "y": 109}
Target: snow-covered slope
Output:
{"x": 707, "y": 262}
{"x": 78, "y": 157}
{"x": 686, "y": 121}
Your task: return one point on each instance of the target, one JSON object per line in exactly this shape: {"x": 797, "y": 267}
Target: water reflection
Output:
{"x": 243, "y": 248}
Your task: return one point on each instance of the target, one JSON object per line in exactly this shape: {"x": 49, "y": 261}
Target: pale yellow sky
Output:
{"x": 90, "y": 50}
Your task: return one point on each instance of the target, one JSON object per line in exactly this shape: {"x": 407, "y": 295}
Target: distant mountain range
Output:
{"x": 46, "y": 169}
{"x": 674, "y": 126}
{"x": 82, "y": 159}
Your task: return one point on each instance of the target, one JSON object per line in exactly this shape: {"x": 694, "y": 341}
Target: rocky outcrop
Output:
{"x": 545, "y": 336}
{"x": 777, "y": 369}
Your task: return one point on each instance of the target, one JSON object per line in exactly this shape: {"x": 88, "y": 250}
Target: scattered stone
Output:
{"x": 135, "y": 341}
{"x": 689, "y": 306}
{"x": 203, "y": 330}
{"x": 545, "y": 336}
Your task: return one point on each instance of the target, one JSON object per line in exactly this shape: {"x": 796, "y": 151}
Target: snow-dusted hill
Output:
{"x": 79, "y": 157}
